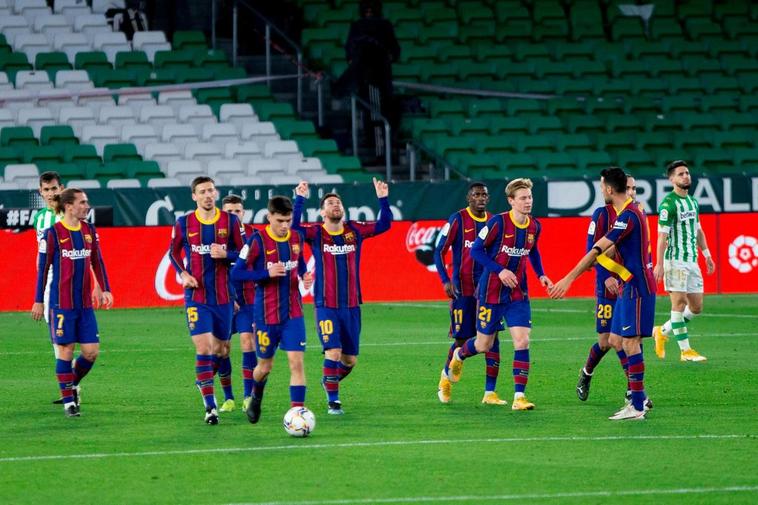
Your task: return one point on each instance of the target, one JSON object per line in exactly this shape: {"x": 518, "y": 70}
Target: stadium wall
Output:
{"x": 397, "y": 266}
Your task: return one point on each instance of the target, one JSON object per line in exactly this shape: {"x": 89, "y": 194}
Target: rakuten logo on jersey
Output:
{"x": 515, "y": 252}
{"x": 288, "y": 265}
{"x": 76, "y": 254}
{"x": 338, "y": 250}
{"x": 204, "y": 248}
{"x": 421, "y": 240}
{"x": 468, "y": 244}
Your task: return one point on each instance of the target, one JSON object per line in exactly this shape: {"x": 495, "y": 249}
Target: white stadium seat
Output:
{"x": 282, "y": 149}
{"x": 22, "y": 174}
{"x": 84, "y": 184}
{"x": 219, "y": 133}
{"x": 242, "y": 151}
{"x": 15, "y": 99}
{"x": 225, "y": 168}
{"x": 72, "y": 9}
{"x": 137, "y": 102}
{"x": 123, "y": 183}
{"x": 284, "y": 180}
{"x": 176, "y": 99}
{"x": 150, "y": 42}
{"x": 55, "y": 100}
{"x": 4, "y": 82}
{"x": 237, "y": 114}
{"x": 204, "y": 153}
{"x": 325, "y": 179}
{"x": 180, "y": 135}
{"x": 98, "y": 101}
{"x": 140, "y": 135}
{"x": 36, "y": 118}
{"x": 71, "y": 43}
{"x": 157, "y": 116}
{"x": 31, "y": 44}
{"x": 100, "y": 136}
{"x": 73, "y": 80}
{"x": 10, "y": 26}
{"x": 30, "y": 9}
{"x": 90, "y": 25}
{"x": 245, "y": 180}
{"x": 196, "y": 114}
{"x": 304, "y": 165}
{"x": 260, "y": 132}
{"x": 116, "y": 115}
{"x": 264, "y": 168}
{"x": 7, "y": 117}
{"x": 164, "y": 182}
{"x": 77, "y": 118}
{"x": 162, "y": 153}
{"x": 51, "y": 24}
{"x": 179, "y": 168}
{"x": 33, "y": 80}
{"x": 111, "y": 43}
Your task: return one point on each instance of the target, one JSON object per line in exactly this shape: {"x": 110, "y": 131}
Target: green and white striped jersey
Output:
{"x": 679, "y": 217}
{"x": 44, "y": 219}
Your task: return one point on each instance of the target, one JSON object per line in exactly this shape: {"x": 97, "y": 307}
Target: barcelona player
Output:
{"x": 502, "y": 247}
{"x": 634, "y": 309}
{"x": 210, "y": 239}
{"x": 273, "y": 259}
{"x": 458, "y": 236}
{"x": 336, "y": 246}
{"x": 71, "y": 247}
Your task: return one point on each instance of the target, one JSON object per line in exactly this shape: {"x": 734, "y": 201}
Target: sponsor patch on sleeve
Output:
{"x": 664, "y": 215}
{"x": 42, "y": 246}
{"x": 244, "y": 251}
{"x": 591, "y": 229}
{"x": 445, "y": 230}
{"x": 483, "y": 232}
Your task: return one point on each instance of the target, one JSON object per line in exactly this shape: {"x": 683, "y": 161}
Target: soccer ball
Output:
{"x": 299, "y": 422}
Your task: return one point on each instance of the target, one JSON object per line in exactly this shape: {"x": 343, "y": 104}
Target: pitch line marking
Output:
{"x": 350, "y": 445}
{"x": 514, "y": 497}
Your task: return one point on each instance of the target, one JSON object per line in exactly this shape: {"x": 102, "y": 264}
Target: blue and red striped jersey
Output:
{"x": 277, "y": 299}
{"x": 504, "y": 244}
{"x": 633, "y": 260}
{"x": 244, "y": 291}
{"x": 458, "y": 235}
{"x": 338, "y": 255}
{"x": 72, "y": 252}
{"x": 602, "y": 222}
{"x": 194, "y": 236}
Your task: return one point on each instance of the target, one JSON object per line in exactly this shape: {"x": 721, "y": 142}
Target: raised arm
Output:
{"x": 301, "y": 193}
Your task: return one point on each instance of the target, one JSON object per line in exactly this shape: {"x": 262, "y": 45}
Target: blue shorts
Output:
{"x": 490, "y": 316}
{"x": 289, "y": 336}
{"x": 339, "y": 329}
{"x": 634, "y": 316}
{"x": 69, "y": 326}
{"x": 243, "y": 320}
{"x": 463, "y": 318}
{"x": 215, "y": 319}
{"x": 604, "y": 314}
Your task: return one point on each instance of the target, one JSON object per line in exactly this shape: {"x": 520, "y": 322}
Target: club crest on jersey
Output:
{"x": 295, "y": 248}
{"x": 349, "y": 237}
{"x": 88, "y": 238}
{"x": 222, "y": 232}
{"x": 530, "y": 238}
{"x": 58, "y": 333}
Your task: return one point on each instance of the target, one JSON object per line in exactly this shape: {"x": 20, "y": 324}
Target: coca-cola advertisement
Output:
{"x": 421, "y": 240}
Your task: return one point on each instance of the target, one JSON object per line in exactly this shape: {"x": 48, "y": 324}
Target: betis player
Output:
{"x": 458, "y": 236}
{"x": 210, "y": 239}
{"x": 69, "y": 250}
{"x": 679, "y": 237}
{"x": 634, "y": 309}
{"x": 336, "y": 246}
{"x": 273, "y": 259}
{"x": 243, "y": 320}
{"x": 502, "y": 248}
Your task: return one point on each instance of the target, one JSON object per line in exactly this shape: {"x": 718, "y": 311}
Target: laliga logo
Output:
{"x": 161, "y": 280}
{"x": 420, "y": 240}
{"x": 743, "y": 254}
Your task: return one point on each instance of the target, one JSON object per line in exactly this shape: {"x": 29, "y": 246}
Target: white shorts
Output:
{"x": 681, "y": 277}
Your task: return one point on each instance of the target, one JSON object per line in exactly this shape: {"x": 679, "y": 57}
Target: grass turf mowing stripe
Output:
{"x": 386, "y": 443}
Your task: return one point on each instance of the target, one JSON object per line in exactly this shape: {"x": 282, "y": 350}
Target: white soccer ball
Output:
{"x": 299, "y": 422}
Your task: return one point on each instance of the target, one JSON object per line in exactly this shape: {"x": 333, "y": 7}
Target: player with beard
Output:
{"x": 336, "y": 245}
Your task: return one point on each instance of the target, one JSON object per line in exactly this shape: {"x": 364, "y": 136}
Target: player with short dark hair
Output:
{"x": 458, "y": 236}
{"x": 336, "y": 246}
{"x": 634, "y": 309}
{"x": 502, "y": 247}
{"x": 69, "y": 250}
{"x": 679, "y": 237}
{"x": 210, "y": 239}
{"x": 244, "y": 318}
{"x": 273, "y": 259}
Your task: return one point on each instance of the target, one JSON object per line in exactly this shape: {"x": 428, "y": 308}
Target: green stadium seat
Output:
{"x": 713, "y": 160}
{"x": 535, "y": 144}
{"x": 295, "y": 129}
{"x": 719, "y": 103}
{"x": 650, "y": 87}
{"x": 485, "y": 107}
{"x": 108, "y": 170}
{"x": 160, "y": 77}
{"x": 585, "y": 124}
{"x": 455, "y": 53}
{"x": 445, "y": 146}
{"x": 11, "y": 63}
{"x": 615, "y": 141}
{"x": 702, "y": 29}
{"x": 347, "y": 166}
{"x": 331, "y": 17}
{"x": 556, "y": 162}
{"x": 748, "y": 84}
{"x": 518, "y": 164}
{"x": 687, "y": 103}
{"x": 641, "y": 105}
{"x": 133, "y": 60}
{"x": 9, "y": 156}
{"x": 698, "y": 66}
{"x": 83, "y": 155}
{"x": 641, "y": 50}
{"x": 19, "y": 137}
{"x": 524, "y": 107}
{"x": 41, "y": 154}
{"x": 604, "y": 106}
{"x": 139, "y": 169}
{"x": 113, "y": 79}
{"x": 496, "y": 145}
{"x": 68, "y": 171}
{"x": 635, "y": 161}
{"x": 54, "y": 135}
{"x": 193, "y": 74}
{"x": 92, "y": 61}
{"x": 737, "y": 121}
{"x": 737, "y": 10}
{"x": 739, "y": 66}
{"x": 714, "y": 84}
{"x": 580, "y": 51}
{"x": 698, "y": 121}
{"x": 174, "y": 59}
{"x": 718, "y": 48}
{"x": 317, "y": 147}
{"x": 120, "y": 152}
{"x": 746, "y": 159}
{"x": 748, "y": 104}
{"x": 686, "y": 86}
{"x": 627, "y": 28}
{"x": 192, "y": 40}
{"x": 662, "y": 28}
{"x": 574, "y": 142}
{"x": 545, "y": 124}
{"x": 592, "y": 161}
{"x": 416, "y": 54}
{"x": 212, "y": 58}
{"x": 626, "y": 69}
{"x": 477, "y": 126}
{"x": 650, "y": 141}
{"x": 668, "y": 122}
{"x": 688, "y": 141}
{"x": 252, "y": 92}
{"x": 445, "y": 108}
{"x": 268, "y": 111}
{"x": 51, "y": 63}
{"x": 508, "y": 125}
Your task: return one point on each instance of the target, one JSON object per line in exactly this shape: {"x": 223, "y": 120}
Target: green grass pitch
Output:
{"x": 141, "y": 438}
